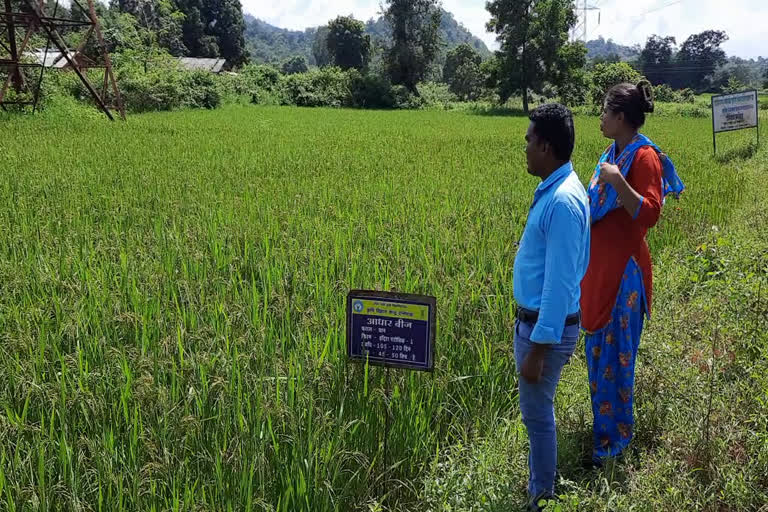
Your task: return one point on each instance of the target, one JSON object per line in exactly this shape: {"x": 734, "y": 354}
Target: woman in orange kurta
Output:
{"x": 626, "y": 196}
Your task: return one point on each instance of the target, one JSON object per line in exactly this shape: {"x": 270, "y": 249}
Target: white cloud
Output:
{"x": 300, "y": 14}
{"x": 623, "y": 24}
{"x": 647, "y": 17}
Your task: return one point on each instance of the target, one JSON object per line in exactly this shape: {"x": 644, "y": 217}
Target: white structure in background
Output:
{"x": 196, "y": 64}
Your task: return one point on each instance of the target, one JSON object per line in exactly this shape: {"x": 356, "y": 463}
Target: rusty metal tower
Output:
{"x": 21, "y": 21}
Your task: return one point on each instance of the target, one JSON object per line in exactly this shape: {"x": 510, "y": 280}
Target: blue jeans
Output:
{"x": 537, "y": 406}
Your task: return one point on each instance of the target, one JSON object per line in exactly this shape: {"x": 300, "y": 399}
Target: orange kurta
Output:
{"x": 616, "y": 238}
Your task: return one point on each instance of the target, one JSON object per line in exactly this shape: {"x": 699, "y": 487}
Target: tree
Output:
{"x": 224, "y": 21}
{"x": 162, "y": 22}
{"x": 656, "y": 59}
{"x": 746, "y": 72}
{"x": 606, "y": 76}
{"x": 415, "y": 40}
{"x": 611, "y": 58}
{"x": 734, "y": 85}
{"x": 348, "y": 44}
{"x": 699, "y": 57}
{"x": 462, "y": 71}
{"x": 459, "y": 56}
{"x": 534, "y": 43}
{"x": 320, "y": 48}
{"x": 214, "y": 28}
{"x": 569, "y": 76}
{"x": 195, "y": 38}
{"x": 126, "y": 37}
{"x": 467, "y": 81}
{"x": 490, "y": 70}
{"x": 765, "y": 79}
{"x": 294, "y": 65}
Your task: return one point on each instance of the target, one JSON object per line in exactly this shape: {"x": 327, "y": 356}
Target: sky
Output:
{"x": 678, "y": 18}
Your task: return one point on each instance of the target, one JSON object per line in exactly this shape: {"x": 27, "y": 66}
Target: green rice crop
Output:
{"x": 172, "y": 299}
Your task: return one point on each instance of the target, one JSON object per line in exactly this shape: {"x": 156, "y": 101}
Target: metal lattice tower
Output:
{"x": 20, "y": 21}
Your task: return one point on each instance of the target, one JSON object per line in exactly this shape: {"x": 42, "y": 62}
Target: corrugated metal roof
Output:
{"x": 194, "y": 63}
{"x": 53, "y": 59}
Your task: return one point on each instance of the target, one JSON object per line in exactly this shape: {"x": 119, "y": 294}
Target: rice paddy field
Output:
{"x": 172, "y": 317}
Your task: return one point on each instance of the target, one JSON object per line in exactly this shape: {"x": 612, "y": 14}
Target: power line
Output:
{"x": 651, "y": 11}
{"x": 656, "y": 9}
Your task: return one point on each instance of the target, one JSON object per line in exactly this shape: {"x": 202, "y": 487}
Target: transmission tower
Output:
{"x": 21, "y": 21}
{"x": 582, "y": 27}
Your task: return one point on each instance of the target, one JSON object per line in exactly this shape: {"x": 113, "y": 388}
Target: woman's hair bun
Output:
{"x": 646, "y": 94}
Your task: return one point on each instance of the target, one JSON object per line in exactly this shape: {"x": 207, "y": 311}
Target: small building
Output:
{"x": 199, "y": 64}
{"x": 54, "y": 59}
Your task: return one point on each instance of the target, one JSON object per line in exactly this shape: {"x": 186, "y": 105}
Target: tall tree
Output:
{"x": 459, "y": 56}
{"x": 699, "y": 57}
{"x": 213, "y": 28}
{"x": 196, "y": 40}
{"x": 656, "y": 59}
{"x": 348, "y": 44}
{"x": 534, "y": 43}
{"x": 161, "y": 18}
{"x": 462, "y": 71}
{"x": 224, "y": 21}
{"x": 415, "y": 41}
{"x": 569, "y": 74}
{"x": 320, "y": 48}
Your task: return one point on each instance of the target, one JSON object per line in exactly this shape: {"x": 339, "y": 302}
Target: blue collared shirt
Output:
{"x": 554, "y": 253}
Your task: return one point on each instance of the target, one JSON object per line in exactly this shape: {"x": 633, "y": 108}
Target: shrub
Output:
{"x": 169, "y": 89}
{"x": 371, "y": 91}
{"x": 155, "y": 90}
{"x": 687, "y": 95}
{"x": 665, "y": 94}
{"x": 436, "y": 95}
{"x": 327, "y": 87}
{"x": 606, "y": 76}
{"x": 405, "y": 99}
{"x": 698, "y": 111}
{"x": 201, "y": 90}
{"x": 262, "y": 77}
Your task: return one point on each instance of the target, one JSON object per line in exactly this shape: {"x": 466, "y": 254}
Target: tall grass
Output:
{"x": 172, "y": 306}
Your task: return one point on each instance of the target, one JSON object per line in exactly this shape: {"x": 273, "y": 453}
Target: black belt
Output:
{"x": 527, "y": 316}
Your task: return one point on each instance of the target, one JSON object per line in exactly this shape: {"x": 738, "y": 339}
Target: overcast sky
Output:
{"x": 739, "y": 18}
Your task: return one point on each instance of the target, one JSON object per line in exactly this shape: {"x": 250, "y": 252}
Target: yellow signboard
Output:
{"x": 390, "y": 309}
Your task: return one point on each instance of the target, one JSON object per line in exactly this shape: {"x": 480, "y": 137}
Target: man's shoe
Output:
{"x": 539, "y": 503}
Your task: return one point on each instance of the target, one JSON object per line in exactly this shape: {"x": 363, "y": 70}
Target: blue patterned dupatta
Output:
{"x": 603, "y": 198}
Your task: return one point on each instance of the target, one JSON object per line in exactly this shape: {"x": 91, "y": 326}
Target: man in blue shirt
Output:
{"x": 550, "y": 264}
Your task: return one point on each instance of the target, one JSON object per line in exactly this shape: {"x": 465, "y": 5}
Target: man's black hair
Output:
{"x": 553, "y": 123}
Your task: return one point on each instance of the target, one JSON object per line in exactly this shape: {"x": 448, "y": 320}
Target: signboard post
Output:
{"x": 732, "y": 112}
{"x": 393, "y": 330}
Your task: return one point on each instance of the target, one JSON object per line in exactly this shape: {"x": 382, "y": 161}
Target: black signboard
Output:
{"x": 391, "y": 329}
